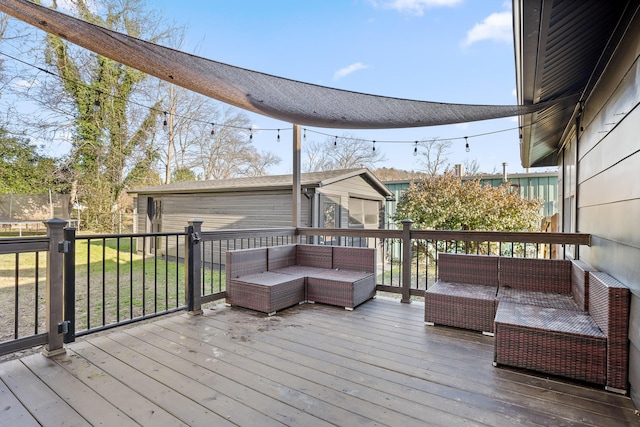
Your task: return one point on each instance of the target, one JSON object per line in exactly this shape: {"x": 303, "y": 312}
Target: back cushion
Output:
{"x": 356, "y": 259}
{"x": 537, "y": 275}
{"x": 246, "y": 261}
{"x": 580, "y": 283}
{"x": 281, "y": 256}
{"x": 459, "y": 268}
{"x": 314, "y": 256}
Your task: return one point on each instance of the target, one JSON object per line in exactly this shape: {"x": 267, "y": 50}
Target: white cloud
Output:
{"x": 343, "y": 72}
{"x": 24, "y": 84}
{"x": 497, "y": 27}
{"x": 415, "y": 7}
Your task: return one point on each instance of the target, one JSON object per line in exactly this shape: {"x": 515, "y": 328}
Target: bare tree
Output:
{"x": 228, "y": 152}
{"x": 471, "y": 167}
{"x": 345, "y": 152}
{"x": 435, "y": 157}
{"x": 315, "y": 158}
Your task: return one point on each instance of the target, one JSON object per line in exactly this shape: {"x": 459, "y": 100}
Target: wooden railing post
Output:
{"x": 55, "y": 286}
{"x": 193, "y": 267}
{"x": 406, "y": 261}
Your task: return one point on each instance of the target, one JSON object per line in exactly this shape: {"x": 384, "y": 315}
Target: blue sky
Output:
{"x": 458, "y": 51}
{"x": 438, "y": 50}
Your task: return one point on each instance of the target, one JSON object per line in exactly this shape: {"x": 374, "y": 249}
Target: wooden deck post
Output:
{"x": 55, "y": 286}
{"x": 296, "y": 186}
{"x": 406, "y": 261}
{"x": 193, "y": 267}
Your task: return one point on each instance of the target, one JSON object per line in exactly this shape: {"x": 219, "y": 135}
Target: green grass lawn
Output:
{"x": 113, "y": 283}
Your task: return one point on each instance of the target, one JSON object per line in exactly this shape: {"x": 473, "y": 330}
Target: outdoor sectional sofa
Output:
{"x": 554, "y": 316}
{"x": 270, "y": 279}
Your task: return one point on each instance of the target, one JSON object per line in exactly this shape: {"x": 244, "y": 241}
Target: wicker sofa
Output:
{"x": 554, "y": 316}
{"x": 273, "y": 278}
{"x": 465, "y": 294}
{"x": 588, "y": 345}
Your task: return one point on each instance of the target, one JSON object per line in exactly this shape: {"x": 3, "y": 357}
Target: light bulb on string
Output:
{"x": 250, "y": 134}
{"x": 213, "y": 129}
{"x": 415, "y": 149}
{"x": 304, "y": 134}
{"x": 164, "y": 123}
{"x": 278, "y": 135}
{"x": 374, "y": 145}
{"x": 466, "y": 145}
{"x": 335, "y": 141}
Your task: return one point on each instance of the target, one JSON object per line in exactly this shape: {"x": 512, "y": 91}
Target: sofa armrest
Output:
{"x": 609, "y": 308}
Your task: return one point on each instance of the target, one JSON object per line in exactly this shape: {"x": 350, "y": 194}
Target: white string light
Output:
{"x": 335, "y": 143}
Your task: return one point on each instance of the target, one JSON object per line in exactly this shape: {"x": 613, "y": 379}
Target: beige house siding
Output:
{"x": 607, "y": 180}
{"x": 249, "y": 209}
{"x": 226, "y": 210}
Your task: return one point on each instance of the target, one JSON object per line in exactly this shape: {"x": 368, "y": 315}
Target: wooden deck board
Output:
{"x": 311, "y": 365}
{"x": 453, "y": 368}
{"x": 46, "y": 407}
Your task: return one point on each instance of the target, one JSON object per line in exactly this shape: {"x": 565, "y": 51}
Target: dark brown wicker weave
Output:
{"x": 541, "y": 299}
{"x": 314, "y": 256}
{"x": 580, "y": 283}
{"x": 536, "y": 275}
{"x": 609, "y": 306}
{"x": 460, "y": 268}
{"x": 247, "y": 261}
{"x": 281, "y": 256}
{"x": 589, "y": 346}
{"x": 461, "y": 305}
{"x": 267, "y": 292}
{"x": 268, "y": 280}
{"x": 355, "y": 259}
{"x": 558, "y": 342}
{"x": 344, "y": 288}
{"x": 465, "y": 293}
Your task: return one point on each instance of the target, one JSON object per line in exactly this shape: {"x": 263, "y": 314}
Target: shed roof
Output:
{"x": 267, "y": 183}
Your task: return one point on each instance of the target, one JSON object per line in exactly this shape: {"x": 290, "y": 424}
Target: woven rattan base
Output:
{"x": 558, "y": 342}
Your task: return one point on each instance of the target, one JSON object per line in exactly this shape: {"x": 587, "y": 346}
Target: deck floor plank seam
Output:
{"x": 311, "y": 365}
{"x": 459, "y": 377}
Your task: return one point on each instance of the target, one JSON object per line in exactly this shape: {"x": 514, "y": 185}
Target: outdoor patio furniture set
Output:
{"x": 558, "y": 317}
{"x": 270, "y": 279}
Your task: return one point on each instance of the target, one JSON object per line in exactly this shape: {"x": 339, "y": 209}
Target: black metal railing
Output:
{"x": 123, "y": 278}
{"x": 23, "y": 264}
{"x": 110, "y": 280}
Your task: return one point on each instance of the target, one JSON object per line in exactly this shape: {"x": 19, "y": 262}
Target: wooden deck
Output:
{"x": 309, "y": 365}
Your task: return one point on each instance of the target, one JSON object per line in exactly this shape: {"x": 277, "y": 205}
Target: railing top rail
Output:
{"x": 129, "y": 235}
{"x": 467, "y": 236}
{"x": 349, "y": 232}
{"x": 12, "y": 245}
{"x": 505, "y": 236}
{"x": 246, "y": 233}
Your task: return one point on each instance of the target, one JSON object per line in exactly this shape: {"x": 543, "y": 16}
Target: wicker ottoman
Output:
{"x": 343, "y": 288}
{"x": 558, "y": 342}
{"x": 461, "y": 305}
{"x": 267, "y": 292}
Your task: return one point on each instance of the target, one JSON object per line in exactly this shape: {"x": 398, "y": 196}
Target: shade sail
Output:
{"x": 284, "y": 99}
